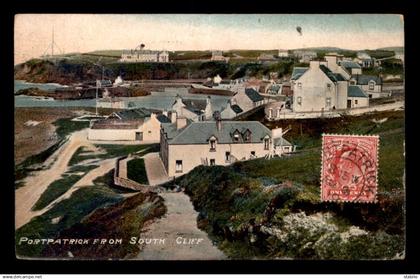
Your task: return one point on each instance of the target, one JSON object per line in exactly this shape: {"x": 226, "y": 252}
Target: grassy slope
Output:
{"x": 231, "y": 200}
{"x": 78, "y": 218}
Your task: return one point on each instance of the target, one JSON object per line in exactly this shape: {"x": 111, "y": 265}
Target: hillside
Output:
{"x": 272, "y": 208}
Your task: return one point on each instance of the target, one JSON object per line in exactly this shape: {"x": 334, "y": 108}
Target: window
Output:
{"x": 212, "y": 145}
{"x": 270, "y": 113}
{"x": 329, "y": 86}
{"x": 266, "y": 144}
{"x": 227, "y": 156}
{"x": 328, "y": 102}
{"x": 300, "y": 84}
{"x": 212, "y": 162}
{"x": 371, "y": 85}
{"x": 252, "y": 154}
{"x": 178, "y": 166}
{"x": 299, "y": 100}
{"x": 356, "y": 102}
{"x": 236, "y": 138}
{"x": 247, "y": 136}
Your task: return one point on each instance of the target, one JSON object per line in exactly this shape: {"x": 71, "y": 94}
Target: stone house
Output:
{"x": 185, "y": 146}
{"x": 230, "y": 111}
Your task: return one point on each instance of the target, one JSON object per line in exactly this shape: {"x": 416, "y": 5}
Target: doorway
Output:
{"x": 348, "y": 103}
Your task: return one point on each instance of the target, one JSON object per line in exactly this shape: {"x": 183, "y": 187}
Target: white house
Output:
{"x": 319, "y": 89}
{"x": 193, "y": 109}
{"x": 140, "y": 124}
{"x": 184, "y": 147}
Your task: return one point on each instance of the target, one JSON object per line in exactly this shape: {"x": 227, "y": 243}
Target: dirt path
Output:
{"x": 155, "y": 170}
{"x": 178, "y": 225}
{"x": 37, "y": 183}
{"x": 86, "y": 180}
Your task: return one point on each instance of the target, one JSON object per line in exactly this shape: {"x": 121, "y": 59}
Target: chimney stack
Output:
{"x": 172, "y": 116}
{"x": 219, "y": 124}
{"x": 181, "y": 122}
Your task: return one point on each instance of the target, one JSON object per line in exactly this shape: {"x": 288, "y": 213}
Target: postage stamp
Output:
{"x": 349, "y": 168}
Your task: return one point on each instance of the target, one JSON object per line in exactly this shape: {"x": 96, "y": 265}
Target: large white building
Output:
{"x": 324, "y": 86}
{"x": 144, "y": 55}
{"x": 185, "y": 146}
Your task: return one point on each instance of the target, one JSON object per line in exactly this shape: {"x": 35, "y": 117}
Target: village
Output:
{"x": 221, "y": 146}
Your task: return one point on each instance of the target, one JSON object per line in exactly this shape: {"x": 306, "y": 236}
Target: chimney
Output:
{"x": 181, "y": 122}
{"x": 218, "y": 124}
{"x": 276, "y": 133}
{"x": 173, "y": 116}
{"x": 313, "y": 64}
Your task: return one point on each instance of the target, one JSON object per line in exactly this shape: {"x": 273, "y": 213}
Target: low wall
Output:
{"x": 128, "y": 183}
{"x": 339, "y": 113}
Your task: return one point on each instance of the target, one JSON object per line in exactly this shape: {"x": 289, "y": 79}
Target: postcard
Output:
{"x": 209, "y": 137}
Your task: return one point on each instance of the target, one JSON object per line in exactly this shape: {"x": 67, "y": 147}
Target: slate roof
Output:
{"x": 253, "y": 95}
{"x": 356, "y": 91}
{"x": 134, "y": 114}
{"x": 330, "y": 75}
{"x": 364, "y": 79}
{"x": 277, "y": 142}
{"x": 350, "y": 64}
{"x": 298, "y": 72}
{"x": 163, "y": 118}
{"x": 200, "y": 132}
{"x": 236, "y": 108}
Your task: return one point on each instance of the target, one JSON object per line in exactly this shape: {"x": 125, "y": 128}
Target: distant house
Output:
{"x": 304, "y": 56}
{"x": 356, "y": 97}
{"x": 217, "y": 55}
{"x": 139, "y": 124}
{"x": 247, "y": 99}
{"x": 364, "y": 59}
{"x": 283, "y": 53}
{"x": 144, "y": 55}
{"x": 372, "y": 85}
{"x": 193, "y": 109}
{"x": 184, "y": 147}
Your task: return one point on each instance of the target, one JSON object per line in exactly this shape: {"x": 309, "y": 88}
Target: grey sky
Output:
{"x": 88, "y": 32}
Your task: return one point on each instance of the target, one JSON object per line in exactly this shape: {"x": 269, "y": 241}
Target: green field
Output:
{"x": 136, "y": 171}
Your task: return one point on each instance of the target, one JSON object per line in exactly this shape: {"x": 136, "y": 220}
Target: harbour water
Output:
{"x": 157, "y": 100}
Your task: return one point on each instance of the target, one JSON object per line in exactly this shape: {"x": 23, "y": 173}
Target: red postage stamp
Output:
{"x": 349, "y": 168}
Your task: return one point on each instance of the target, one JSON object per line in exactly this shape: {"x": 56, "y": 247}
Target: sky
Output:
{"x": 89, "y": 32}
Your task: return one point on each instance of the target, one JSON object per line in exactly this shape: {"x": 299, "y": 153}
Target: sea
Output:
{"x": 157, "y": 100}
